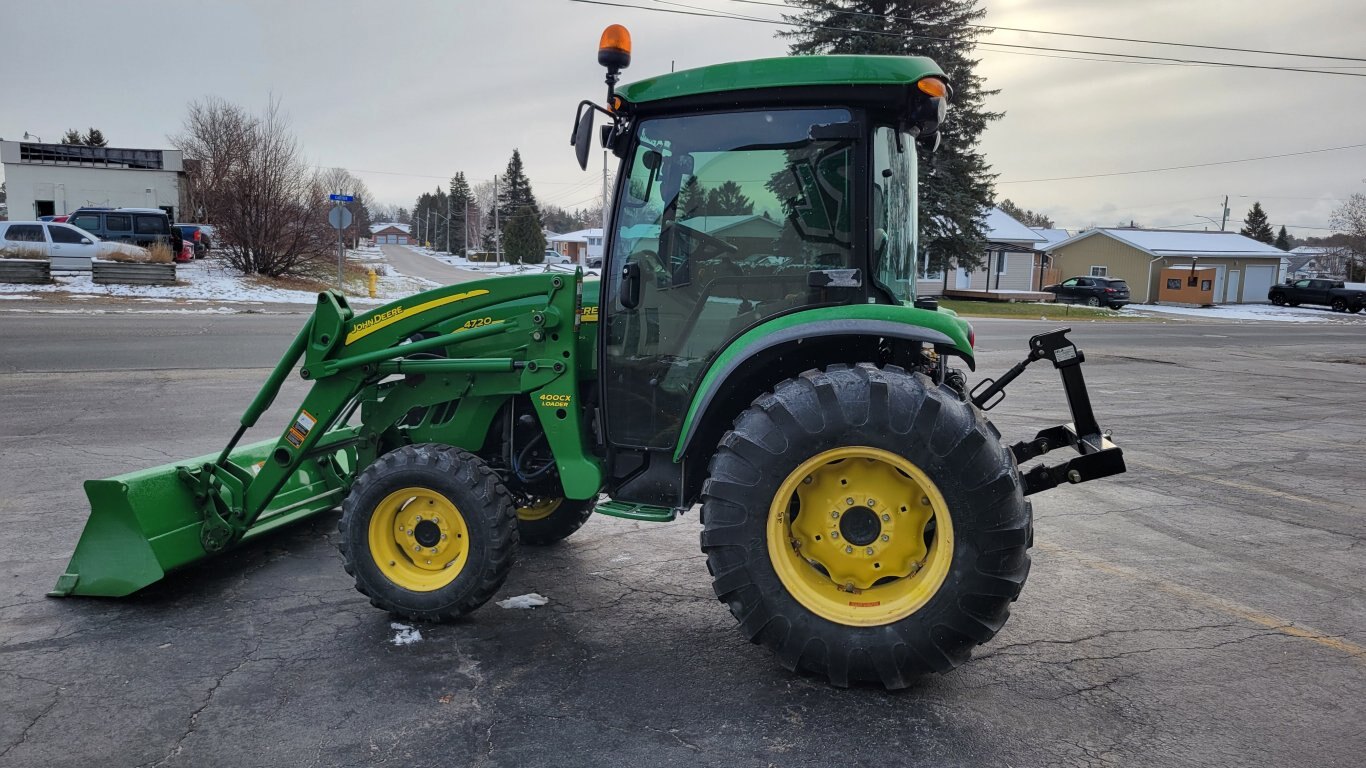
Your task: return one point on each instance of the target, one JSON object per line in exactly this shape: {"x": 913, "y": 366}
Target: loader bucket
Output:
{"x": 146, "y": 523}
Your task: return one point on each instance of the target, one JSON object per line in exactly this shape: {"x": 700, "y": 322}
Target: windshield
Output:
{"x": 894, "y": 214}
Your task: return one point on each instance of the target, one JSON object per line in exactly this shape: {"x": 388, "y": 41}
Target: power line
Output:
{"x": 994, "y": 28}
{"x": 1182, "y": 167}
{"x": 992, "y": 46}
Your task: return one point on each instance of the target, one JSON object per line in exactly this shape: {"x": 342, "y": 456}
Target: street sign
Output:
{"x": 339, "y": 218}
{"x": 342, "y": 198}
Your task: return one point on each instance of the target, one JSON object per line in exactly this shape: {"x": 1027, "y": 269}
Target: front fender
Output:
{"x": 943, "y": 329}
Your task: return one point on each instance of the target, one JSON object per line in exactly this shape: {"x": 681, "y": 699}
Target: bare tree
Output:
{"x": 343, "y": 182}
{"x": 250, "y": 180}
{"x": 1350, "y": 219}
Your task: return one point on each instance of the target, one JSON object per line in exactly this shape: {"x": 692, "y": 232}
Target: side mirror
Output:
{"x": 583, "y": 129}
{"x": 86, "y": 241}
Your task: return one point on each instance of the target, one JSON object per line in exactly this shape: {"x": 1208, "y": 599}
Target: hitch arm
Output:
{"x": 1098, "y": 457}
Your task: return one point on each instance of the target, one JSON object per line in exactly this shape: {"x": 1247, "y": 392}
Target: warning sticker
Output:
{"x": 1066, "y": 353}
{"x": 303, "y": 424}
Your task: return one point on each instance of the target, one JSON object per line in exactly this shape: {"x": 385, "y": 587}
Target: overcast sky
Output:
{"x": 407, "y": 93}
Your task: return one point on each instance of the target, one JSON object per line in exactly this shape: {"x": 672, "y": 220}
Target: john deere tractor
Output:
{"x": 755, "y": 346}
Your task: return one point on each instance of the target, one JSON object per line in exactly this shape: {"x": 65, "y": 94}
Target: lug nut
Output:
{"x": 1073, "y": 476}
{"x": 848, "y": 550}
{"x": 807, "y": 479}
{"x": 419, "y": 519}
{"x": 429, "y": 561}
{"x": 835, "y": 513}
{"x": 872, "y": 502}
{"x": 925, "y": 501}
{"x": 417, "y": 547}
{"x": 410, "y": 531}
{"x": 849, "y": 501}
{"x": 869, "y": 550}
{"x": 885, "y": 537}
{"x": 443, "y": 537}
{"x": 886, "y": 518}
{"x": 834, "y": 534}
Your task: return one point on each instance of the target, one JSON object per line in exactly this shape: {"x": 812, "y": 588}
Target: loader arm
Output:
{"x": 470, "y": 346}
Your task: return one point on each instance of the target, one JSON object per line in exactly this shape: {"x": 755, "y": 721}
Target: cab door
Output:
{"x": 68, "y": 244}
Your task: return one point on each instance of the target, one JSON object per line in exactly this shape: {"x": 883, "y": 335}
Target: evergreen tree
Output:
{"x": 94, "y": 138}
{"x": 73, "y": 136}
{"x": 462, "y": 206}
{"x": 403, "y": 217}
{"x": 1283, "y": 240}
{"x": 1024, "y": 215}
{"x": 728, "y": 200}
{"x": 692, "y": 199}
{"x": 956, "y": 183}
{"x": 4, "y": 195}
{"x": 523, "y": 241}
{"x": 1256, "y": 226}
{"x": 514, "y": 190}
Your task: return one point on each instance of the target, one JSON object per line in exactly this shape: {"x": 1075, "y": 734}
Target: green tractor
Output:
{"x": 755, "y": 346}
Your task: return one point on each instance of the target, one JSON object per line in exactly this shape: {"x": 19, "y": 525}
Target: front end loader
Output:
{"x": 756, "y": 346}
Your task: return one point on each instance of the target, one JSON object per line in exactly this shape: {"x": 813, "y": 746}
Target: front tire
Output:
{"x": 1093, "y": 301}
{"x": 428, "y": 532}
{"x": 865, "y": 525}
{"x": 1278, "y": 299}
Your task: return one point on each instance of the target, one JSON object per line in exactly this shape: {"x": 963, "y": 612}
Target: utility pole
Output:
{"x": 1224, "y": 224}
{"x": 466, "y": 227}
{"x": 448, "y": 223}
{"x": 497, "y": 233}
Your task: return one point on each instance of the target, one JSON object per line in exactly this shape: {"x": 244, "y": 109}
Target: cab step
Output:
{"x": 642, "y": 512}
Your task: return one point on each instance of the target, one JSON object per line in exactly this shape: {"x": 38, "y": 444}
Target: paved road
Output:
{"x": 1207, "y": 608}
{"x": 407, "y": 262}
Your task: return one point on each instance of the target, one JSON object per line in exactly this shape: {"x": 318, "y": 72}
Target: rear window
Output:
{"x": 88, "y": 222}
{"x": 118, "y": 222}
{"x": 1119, "y": 285}
{"x": 151, "y": 225}
{"x": 25, "y": 233}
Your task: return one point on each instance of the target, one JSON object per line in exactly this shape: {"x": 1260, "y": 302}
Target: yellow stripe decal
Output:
{"x": 386, "y": 319}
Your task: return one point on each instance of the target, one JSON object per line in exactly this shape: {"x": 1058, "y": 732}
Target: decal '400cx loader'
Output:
{"x": 755, "y": 346}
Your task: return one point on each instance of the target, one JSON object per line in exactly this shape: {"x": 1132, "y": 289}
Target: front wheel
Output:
{"x": 1278, "y": 299}
{"x": 545, "y": 521}
{"x": 865, "y": 525}
{"x": 1093, "y": 301}
{"x": 428, "y": 532}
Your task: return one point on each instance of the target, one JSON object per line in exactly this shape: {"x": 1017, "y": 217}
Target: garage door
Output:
{"x": 1256, "y": 282}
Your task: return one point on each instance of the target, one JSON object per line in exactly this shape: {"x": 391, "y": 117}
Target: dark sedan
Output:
{"x": 1091, "y": 291}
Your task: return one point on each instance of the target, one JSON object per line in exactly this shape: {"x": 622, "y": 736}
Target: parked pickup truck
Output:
{"x": 1331, "y": 293}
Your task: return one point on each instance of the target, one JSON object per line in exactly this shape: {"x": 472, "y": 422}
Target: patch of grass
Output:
{"x": 1029, "y": 310}
{"x": 20, "y": 252}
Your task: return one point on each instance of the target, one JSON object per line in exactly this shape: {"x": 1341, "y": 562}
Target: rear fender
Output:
{"x": 844, "y": 337}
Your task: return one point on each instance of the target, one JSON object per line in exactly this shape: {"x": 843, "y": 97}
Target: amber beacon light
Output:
{"x": 614, "y": 49}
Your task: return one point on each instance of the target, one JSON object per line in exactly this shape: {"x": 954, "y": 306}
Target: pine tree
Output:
{"x": 94, "y": 138}
{"x": 1283, "y": 239}
{"x": 692, "y": 200}
{"x": 462, "y": 200}
{"x": 1024, "y": 215}
{"x": 955, "y": 183}
{"x": 73, "y": 136}
{"x": 1255, "y": 225}
{"x": 728, "y": 200}
{"x": 523, "y": 241}
{"x": 514, "y": 190}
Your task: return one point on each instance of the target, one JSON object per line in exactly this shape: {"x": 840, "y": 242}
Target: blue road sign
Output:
{"x": 342, "y": 198}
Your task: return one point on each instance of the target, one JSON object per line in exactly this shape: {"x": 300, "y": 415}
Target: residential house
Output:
{"x": 1245, "y": 269}
{"x": 392, "y": 233}
{"x": 580, "y": 246}
{"x": 1009, "y": 266}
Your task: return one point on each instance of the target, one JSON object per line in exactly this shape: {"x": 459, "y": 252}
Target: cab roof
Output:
{"x": 783, "y": 72}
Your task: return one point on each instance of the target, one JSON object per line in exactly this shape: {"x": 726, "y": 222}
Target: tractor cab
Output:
{"x": 747, "y": 192}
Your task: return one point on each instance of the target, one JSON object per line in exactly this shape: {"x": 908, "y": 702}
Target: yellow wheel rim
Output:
{"x": 847, "y": 535}
{"x": 419, "y": 539}
{"x": 538, "y": 509}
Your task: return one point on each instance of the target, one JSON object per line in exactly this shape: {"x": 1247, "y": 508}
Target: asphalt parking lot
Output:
{"x": 1207, "y": 608}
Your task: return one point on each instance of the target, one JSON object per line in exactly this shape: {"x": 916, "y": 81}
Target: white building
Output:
{"x": 581, "y": 244}
{"x": 54, "y": 179}
{"x": 1009, "y": 266}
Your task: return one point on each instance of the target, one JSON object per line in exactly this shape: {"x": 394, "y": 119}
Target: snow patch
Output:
{"x": 524, "y": 601}
{"x": 1247, "y": 313}
{"x": 406, "y": 634}
{"x": 19, "y": 298}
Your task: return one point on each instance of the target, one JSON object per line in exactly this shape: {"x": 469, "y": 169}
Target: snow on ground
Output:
{"x": 210, "y": 280}
{"x": 497, "y": 269}
{"x": 405, "y": 635}
{"x": 1244, "y": 313}
{"x": 524, "y": 601}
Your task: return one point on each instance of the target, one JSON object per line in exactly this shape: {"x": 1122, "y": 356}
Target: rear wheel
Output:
{"x": 1093, "y": 301}
{"x": 1339, "y": 305}
{"x": 1278, "y": 299}
{"x": 542, "y": 521}
{"x": 428, "y": 532}
{"x": 865, "y": 525}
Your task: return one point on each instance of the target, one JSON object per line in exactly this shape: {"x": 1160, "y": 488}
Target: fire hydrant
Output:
{"x": 374, "y": 279}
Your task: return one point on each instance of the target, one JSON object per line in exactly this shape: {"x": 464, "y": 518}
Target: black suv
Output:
{"x": 1091, "y": 291}
{"x": 139, "y": 226}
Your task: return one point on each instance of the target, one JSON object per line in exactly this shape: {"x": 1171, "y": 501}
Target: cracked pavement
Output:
{"x": 1204, "y": 609}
